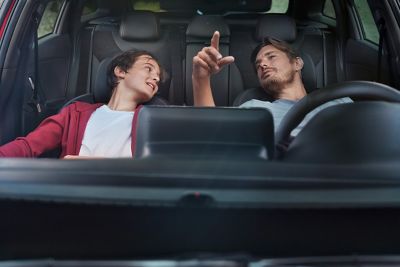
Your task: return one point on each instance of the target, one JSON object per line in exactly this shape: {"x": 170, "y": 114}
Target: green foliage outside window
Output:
{"x": 365, "y": 15}
{"x": 279, "y": 6}
{"x": 147, "y": 5}
{"x": 49, "y": 18}
{"x": 329, "y": 10}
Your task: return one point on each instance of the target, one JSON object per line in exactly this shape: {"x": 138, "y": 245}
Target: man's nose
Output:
{"x": 264, "y": 65}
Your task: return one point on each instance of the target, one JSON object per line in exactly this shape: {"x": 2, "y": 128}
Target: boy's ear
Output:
{"x": 299, "y": 63}
{"x": 119, "y": 73}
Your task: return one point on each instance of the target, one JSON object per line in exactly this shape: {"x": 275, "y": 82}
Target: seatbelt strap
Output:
{"x": 35, "y": 101}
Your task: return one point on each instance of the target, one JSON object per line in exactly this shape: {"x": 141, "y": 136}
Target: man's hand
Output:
{"x": 209, "y": 61}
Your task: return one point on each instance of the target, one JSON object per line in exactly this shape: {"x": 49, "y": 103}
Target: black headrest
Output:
{"x": 205, "y": 26}
{"x": 278, "y": 26}
{"x": 140, "y": 26}
{"x": 100, "y": 89}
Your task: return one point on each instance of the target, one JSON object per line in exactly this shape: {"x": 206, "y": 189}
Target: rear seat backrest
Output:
{"x": 318, "y": 41}
{"x": 227, "y": 83}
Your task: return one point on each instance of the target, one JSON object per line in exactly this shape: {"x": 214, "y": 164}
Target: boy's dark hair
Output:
{"x": 283, "y": 46}
{"x": 125, "y": 61}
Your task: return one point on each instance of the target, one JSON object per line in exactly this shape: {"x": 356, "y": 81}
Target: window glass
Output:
{"x": 89, "y": 7}
{"x": 150, "y": 5}
{"x": 329, "y": 10}
{"x": 279, "y": 6}
{"x": 49, "y": 18}
{"x": 370, "y": 31}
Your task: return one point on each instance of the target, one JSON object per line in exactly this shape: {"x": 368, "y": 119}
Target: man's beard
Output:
{"x": 274, "y": 86}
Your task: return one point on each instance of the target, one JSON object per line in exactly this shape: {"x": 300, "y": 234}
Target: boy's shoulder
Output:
{"x": 82, "y": 106}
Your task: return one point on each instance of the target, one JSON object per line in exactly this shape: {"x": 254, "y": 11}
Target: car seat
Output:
{"x": 227, "y": 84}
{"x": 284, "y": 28}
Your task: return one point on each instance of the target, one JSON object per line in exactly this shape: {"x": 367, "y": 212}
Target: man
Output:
{"x": 278, "y": 69}
{"x": 97, "y": 130}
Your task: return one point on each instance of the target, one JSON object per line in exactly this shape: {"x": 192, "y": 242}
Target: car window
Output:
{"x": 147, "y": 5}
{"x": 329, "y": 10}
{"x": 49, "y": 18}
{"x": 89, "y": 7}
{"x": 279, "y": 6}
{"x": 369, "y": 28}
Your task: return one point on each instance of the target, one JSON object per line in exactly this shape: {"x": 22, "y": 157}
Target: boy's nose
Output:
{"x": 156, "y": 78}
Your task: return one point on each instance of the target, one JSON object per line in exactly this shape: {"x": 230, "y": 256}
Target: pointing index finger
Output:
{"x": 215, "y": 40}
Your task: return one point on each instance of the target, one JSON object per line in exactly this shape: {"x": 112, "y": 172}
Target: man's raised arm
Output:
{"x": 208, "y": 61}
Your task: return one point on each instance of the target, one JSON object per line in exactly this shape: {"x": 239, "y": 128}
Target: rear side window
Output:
{"x": 369, "y": 29}
{"x": 89, "y": 7}
{"x": 147, "y": 5}
{"x": 329, "y": 10}
{"x": 49, "y": 18}
{"x": 279, "y": 6}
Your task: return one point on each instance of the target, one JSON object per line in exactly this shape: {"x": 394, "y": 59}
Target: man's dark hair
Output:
{"x": 281, "y": 45}
{"x": 125, "y": 61}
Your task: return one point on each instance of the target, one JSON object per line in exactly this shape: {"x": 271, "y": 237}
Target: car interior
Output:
{"x": 70, "y": 63}
{"x": 221, "y": 186}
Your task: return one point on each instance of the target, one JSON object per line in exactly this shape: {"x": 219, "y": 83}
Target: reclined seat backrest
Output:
{"x": 227, "y": 84}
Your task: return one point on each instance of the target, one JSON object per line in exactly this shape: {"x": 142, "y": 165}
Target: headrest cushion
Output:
{"x": 140, "y": 26}
{"x": 205, "y": 26}
{"x": 278, "y": 26}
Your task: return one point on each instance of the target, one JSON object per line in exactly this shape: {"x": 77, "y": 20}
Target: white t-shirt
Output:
{"x": 280, "y": 107}
{"x": 108, "y": 134}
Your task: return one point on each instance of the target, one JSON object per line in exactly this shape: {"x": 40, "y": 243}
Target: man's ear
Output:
{"x": 299, "y": 63}
{"x": 119, "y": 73}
